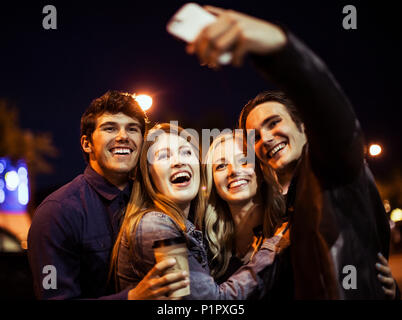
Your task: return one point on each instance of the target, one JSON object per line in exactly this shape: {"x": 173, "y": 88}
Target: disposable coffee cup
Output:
{"x": 173, "y": 248}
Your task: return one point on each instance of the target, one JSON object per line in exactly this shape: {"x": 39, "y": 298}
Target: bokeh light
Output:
{"x": 144, "y": 100}
{"x": 375, "y": 150}
{"x": 396, "y": 215}
{"x": 12, "y": 180}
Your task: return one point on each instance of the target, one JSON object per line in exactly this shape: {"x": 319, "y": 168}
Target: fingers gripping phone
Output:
{"x": 188, "y": 22}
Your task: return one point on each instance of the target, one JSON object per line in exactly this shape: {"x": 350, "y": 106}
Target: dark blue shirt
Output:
{"x": 74, "y": 230}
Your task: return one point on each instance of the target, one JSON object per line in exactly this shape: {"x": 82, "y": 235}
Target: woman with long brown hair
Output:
{"x": 167, "y": 193}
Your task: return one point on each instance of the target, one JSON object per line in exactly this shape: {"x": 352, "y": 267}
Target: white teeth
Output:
{"x": 121, "y": 151}
{"x": 237, "y": 183}
{"x": 179, "y": 175}
{"x": 276, "y": 149}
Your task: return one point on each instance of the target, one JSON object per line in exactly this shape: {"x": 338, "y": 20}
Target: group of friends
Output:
{"x": 282, "y": 225}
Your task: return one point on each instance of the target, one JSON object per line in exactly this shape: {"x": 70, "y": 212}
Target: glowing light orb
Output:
{"x": 23, "y": 194}
{"x": 12, "y": 180}
{"x": 144, "y": 101}
{"x": 2, "y": 196}
{"x": 375, "y": 150}
{"x": 396, "y": 215}
{"x": 22, "y": 172}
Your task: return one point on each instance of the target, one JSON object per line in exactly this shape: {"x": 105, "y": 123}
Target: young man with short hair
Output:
{"x": 75, "y": 227}
{"x": 336, "y": 217}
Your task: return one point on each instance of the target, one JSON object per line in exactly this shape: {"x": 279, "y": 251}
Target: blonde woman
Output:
{"x": 161, "y": 206}
{"x": 242, "y": 207}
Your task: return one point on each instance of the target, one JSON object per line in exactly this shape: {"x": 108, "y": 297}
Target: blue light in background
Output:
{"x": 12, "y": 180}
{"x": 2, "y": 196}
{"x": 14, "y": 186}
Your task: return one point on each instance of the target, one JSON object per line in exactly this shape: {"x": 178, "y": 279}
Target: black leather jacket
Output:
{"x": 336, "y": 215}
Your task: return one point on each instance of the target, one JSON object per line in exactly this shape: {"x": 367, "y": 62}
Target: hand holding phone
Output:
{"x": 189, "y": 21}
{"x": 230, "y": 36}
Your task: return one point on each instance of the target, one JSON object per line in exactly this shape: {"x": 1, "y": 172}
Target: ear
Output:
{"x": 86, "y": 144}
{"x": 303, "y": 128}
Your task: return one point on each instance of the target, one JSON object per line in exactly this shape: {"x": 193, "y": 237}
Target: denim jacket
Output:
{"x": 134, "y": 264}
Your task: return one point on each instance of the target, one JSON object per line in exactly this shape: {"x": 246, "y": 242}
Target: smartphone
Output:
{"x": 188, "y": 22}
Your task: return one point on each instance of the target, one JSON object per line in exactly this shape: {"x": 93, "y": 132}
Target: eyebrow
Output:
{"x": 113, "y": 123}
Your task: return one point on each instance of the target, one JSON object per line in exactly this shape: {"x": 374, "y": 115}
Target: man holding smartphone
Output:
{"x": 313, "y": 140}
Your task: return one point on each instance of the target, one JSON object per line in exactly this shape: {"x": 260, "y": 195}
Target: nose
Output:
{"x": 234, "y": 169}
{"x": 122, "y": 135}
{"x": 266, "y": 138}
{"x": 177, "y": 161}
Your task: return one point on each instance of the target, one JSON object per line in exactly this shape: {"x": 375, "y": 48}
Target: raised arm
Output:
{"x": 334, "y": 135}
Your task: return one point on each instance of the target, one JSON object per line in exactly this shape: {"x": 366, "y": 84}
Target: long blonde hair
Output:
{"x": 145, "y": 197}
{"x": 217, "y": 221}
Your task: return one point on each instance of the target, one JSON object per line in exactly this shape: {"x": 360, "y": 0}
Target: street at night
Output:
{"x": 56, "y": 58}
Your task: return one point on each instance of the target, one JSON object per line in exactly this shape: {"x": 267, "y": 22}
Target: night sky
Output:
{"x": 53, "y": 75}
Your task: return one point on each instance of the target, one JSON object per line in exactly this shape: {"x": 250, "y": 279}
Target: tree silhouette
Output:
{"x": 17, "y": 143}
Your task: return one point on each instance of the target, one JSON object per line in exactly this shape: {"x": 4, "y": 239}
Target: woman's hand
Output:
{"x": 237, "y": 33}
{"x": 385, "y": 276}
{"x": 156, "y": 286}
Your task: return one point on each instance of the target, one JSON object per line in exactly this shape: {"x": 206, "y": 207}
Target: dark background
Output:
{"x": 51, "y": 76}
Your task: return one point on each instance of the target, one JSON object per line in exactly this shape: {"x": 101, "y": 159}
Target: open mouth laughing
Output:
{"x": 181, "y": 178}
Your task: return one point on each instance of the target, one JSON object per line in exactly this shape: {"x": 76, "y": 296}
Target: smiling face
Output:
{"x": 114, "y": 146}
{"x": 278, "y": 141}
{"x": 174, "y": 168}
{"x": 235, "y": 180}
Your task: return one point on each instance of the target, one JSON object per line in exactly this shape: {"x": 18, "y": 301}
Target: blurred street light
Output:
{"x": 144, "y": 101}
{"x": 375, "y": 150}
{"x": 396, "y": 215}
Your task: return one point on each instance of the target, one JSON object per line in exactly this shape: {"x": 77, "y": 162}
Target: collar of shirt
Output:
{"x": 103, "y": 187}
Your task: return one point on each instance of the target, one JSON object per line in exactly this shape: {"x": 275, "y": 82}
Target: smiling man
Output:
{"x": 336, "y": 216}
{"x": 113, "y": 147}
{"x": 74, "y": 228}
{"x": 279, "y": 133}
